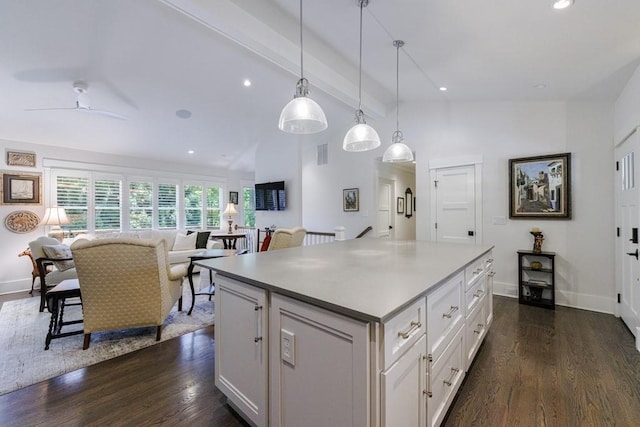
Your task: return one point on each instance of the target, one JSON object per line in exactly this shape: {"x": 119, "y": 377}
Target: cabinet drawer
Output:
{"x": 403, "y": 330}
{"x": 475, "y": 330}
{"x": 444, "y": 379}
{"x": 444, "y": 314}
{"x": 474, "y": 271}
{"x": 474, "y": 295}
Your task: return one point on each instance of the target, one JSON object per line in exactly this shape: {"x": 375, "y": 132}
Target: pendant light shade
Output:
{"x": 361, "y": 137}
{"x": 398, "y": 151}
{"x": 302, "y": 115}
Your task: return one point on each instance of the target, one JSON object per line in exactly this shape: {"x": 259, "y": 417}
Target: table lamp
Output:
{"x": 230, "y": 211}
{"x": 55, "y": 217}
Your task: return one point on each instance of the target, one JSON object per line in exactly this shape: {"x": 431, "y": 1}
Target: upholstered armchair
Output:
{"x": 48, "y": 252}
{"x": 287, "y": 238}
{"x": 126, "y": 283}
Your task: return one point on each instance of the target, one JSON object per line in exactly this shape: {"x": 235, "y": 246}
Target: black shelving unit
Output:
{"x": 537, "y": 283}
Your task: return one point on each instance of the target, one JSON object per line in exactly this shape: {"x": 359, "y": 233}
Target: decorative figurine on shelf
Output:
{"x": 537, "y": 240}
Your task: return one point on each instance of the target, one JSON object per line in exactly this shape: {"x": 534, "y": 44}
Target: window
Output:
{"x": 140, "y": 205}
{"x": 167, "y": 206}
{"x": 213, "y": 207}
{"x": 107, "y": 204}
{"x": 193, "y": 206}
{"x": 248, "y": 205}
{"x": 71, "y": 194}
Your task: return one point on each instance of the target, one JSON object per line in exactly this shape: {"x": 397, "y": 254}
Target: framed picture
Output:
{"x": 20, "y": 189}
{"x": 17, "y": 158}
{"x": 540, "y": 187}
{"x": 400, "y": 205}
{"x": 350, "y": 200}
{"x": 233, "y": 197}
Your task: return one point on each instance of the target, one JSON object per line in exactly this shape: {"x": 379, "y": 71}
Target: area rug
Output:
{"x": 23, "y": 330}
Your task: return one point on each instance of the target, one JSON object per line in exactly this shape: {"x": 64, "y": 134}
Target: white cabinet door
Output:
{"x": 241, "y": 347}
{"x": 318, "y": 366}
{"x": 404, "y": 393}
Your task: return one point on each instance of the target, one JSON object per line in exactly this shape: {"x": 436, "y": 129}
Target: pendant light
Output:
{"x": 302, "y": 115}
{"x": 361, "y": 137}
{"x": 397, "y": 151}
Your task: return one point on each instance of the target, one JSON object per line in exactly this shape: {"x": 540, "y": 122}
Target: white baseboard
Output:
{"x": 15, "y": 286}
{"x": 596, "y": 303}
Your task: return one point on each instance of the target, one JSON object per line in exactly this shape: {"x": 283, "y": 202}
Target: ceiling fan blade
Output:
{"x": 104, "y": 113}
{"x": 50, "y": 109}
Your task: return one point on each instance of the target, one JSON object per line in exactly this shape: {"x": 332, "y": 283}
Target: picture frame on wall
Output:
{"x": 20, "y": 158}
{"x": 540, "y": 187}
{"x": 21, "y": 188}
{"x": 400, "y": 205}
{"x": 233, "y": 197}
{"x": 351, "y": 200}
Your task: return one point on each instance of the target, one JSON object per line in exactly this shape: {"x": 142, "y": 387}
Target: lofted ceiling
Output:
{"x": 148, "y": 59}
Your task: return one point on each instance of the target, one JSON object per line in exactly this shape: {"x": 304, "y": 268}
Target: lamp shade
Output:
{"x": 398, "y": 151}
{"x": 361, "y": 137}
{"x": 55, "y": 216}
{"x": 302, "y": 115}
{"x": 230, "y": 210}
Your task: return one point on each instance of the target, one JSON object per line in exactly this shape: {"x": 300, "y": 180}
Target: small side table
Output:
{"x": 228, "y": 240}
{"x": 56, "y": 302}
{"x": 208, "y": 254}
{"x": 536, "y": 278}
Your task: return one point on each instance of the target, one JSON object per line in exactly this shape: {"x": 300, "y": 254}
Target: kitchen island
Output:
{"x": 367, "y": 332}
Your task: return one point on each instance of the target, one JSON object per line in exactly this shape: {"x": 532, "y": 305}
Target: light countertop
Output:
{"x": 367, "y": 279}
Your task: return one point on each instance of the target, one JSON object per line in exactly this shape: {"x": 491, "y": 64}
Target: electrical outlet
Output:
{"x": 288, "y": 347}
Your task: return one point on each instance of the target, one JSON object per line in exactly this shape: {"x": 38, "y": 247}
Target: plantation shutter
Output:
{"x": 213, "y": 207}
{"x": 167, "y": 206}
{"x": 71, "y": 194}
{"x": 140, "y": 205}
{"x": 107, "y": 204}
{"x": 193, "y": 206}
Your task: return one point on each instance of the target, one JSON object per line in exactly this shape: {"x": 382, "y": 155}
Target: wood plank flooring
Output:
{"x": 536, "y": 368}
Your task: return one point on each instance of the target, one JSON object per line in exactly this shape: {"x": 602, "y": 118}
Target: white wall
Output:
{"x": 15, "y": 273}
{"x": 496, "y": 132}
{"x": 627, "y": 108}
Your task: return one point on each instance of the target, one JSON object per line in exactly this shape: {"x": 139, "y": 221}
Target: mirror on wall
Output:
{"x": 408, "y": 203}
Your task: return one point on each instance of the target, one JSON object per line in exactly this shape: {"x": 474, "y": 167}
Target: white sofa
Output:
{"x": 179, "y": 248}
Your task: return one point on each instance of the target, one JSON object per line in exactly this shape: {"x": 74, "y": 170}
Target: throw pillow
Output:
{"x": 202, "y": 239}
{"x": 59, "y": 252}
{"x": 185, "y": 242}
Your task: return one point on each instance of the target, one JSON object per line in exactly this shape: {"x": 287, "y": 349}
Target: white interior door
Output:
{"x": 455, "y": 204}
{"x": 628, "y": 209}
{"x": 385, "y": 195}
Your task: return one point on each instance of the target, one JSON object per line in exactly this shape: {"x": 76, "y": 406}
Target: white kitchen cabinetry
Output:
{"x": 241, "y": 347}
{"x": 318, "y": 370}
{"x": 404, "y": 389}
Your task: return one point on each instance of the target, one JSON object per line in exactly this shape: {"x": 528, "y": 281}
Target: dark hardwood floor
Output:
{"x": 537, "y": 367}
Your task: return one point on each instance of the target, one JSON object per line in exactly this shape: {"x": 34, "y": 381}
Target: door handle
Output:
{"x": 390, "y": 227}
{"x": 635, "y": 254}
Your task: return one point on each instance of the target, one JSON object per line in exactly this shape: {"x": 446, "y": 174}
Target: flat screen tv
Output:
{"x": 270, "y": 196}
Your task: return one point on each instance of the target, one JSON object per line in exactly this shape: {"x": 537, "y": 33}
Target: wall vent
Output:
{"x": 323, "y": 154}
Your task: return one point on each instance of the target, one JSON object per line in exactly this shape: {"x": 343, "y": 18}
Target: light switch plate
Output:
{"x": 288, "y": 347}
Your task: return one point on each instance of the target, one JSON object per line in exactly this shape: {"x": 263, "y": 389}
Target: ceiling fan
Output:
{"x": 82, "y": 103}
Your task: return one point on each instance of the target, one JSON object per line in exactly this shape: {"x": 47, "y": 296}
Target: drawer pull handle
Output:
{"x": 477, "y": 271}
{"x": 479, "y": 330}
{"x": 413, "y": 327}
{"x": 429, "y": 360}
{"x": 493, "y": 273}
{"x": 454, "y": 308}
{"x": 257, "y": 339}
{"x": 478, "y": 293}
{"x": 454, "y": 371}
{"x": 490, "y": 260}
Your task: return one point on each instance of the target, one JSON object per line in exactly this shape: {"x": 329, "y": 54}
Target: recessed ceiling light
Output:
{"x": 247, "y": 82}
{"x": 190, "y": 151}
{"x": 443, "y": 89}
{"x": 540, "y": 86}
{"x": 562, "y": 4}
{"x": 183, "y": 114}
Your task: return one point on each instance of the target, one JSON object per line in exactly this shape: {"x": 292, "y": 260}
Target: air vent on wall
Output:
{"x": 323, "y": 150}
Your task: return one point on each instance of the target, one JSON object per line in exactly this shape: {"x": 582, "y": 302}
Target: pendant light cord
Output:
{"x": 398, "y": 87}
{"x": 301, "y": 46}
{"x": 360, "y": 66}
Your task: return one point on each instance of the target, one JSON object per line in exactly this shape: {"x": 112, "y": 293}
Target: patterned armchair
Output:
{"x": 287, "y": 238}
{"x": 47, "y": 252}
{"x": 126, "y": 283}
